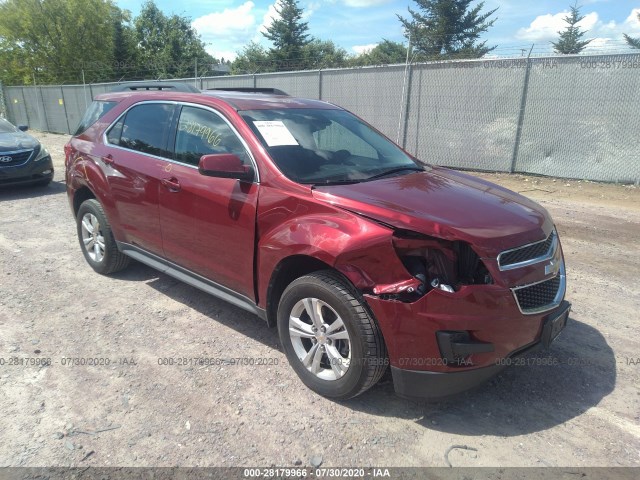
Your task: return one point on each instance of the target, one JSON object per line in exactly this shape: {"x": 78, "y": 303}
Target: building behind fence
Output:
{"x": 572, "y": 117}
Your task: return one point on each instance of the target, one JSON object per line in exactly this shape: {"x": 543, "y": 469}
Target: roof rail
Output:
{"x": 272, "y": 91}
{"x": 155, "y": 86}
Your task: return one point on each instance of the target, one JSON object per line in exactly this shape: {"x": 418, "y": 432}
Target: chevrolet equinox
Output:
{"x": 296, "y": 210}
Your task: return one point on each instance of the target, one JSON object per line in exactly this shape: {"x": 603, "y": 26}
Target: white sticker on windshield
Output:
{"x": 275, "y": 133}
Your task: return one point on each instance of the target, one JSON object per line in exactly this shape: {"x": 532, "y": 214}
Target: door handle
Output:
{"x": 108, "y": 159}
{"x": 172, "y": 184}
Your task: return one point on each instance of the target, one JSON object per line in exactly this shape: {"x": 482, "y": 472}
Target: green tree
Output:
{"x": 385, "y": 53}
{"x": 570, "y": 41}
{"x": 55, "y": 39}
{"x": 13, "y": 68}
{"x": 289, "y": 36}
{"x": 318, "y": 54}
{"x": 253, "y": 58}
{"x": 633, "y": 42}
{"x": 445, "y": 29}
{"x": 168, "y": 46}
{"x": 125, "y": 49}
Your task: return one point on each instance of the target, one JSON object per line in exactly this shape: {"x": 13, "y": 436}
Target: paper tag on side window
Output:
{"x": 275, "y": 133}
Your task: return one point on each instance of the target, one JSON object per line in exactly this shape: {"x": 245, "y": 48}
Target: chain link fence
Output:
{"x": 571, "y": 117}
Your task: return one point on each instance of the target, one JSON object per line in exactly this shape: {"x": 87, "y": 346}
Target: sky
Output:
{"x": 358, "y": 25}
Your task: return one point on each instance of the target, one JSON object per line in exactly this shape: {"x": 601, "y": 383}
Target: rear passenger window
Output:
{"x": 202, "y": 132}
{"x": 115, "y": 132}
{"x": 96, "y": 111}
{"x": 145, "y": 129}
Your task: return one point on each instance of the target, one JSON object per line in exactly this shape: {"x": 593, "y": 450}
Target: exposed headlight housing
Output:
{"x": 439, "y": 263}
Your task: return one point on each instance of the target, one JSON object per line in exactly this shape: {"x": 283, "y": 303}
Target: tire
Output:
{"x": 99, "y": 248}
{"x": 347, "y": 357}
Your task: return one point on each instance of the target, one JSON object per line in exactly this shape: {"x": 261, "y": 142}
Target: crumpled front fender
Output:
{"x": 360, "y": 249}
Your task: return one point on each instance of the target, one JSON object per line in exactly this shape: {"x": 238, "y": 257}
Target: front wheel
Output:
{"x": 328, "y": 336}
{"x": 96, "y": 239}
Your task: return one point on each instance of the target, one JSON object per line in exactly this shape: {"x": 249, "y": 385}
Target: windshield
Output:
{"x": 6, "y": 127}
{"x": 316, "y": 146}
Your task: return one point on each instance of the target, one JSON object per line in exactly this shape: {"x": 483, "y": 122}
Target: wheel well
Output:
{"x": 286, "y": 272}
{"x": 80, "y": 196}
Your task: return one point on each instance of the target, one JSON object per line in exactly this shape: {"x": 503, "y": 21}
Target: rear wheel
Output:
{"x": 329, "y": 337}
{"x": 96, "y": 239}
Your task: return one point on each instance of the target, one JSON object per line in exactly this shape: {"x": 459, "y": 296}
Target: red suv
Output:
{"x": 300, "y": 212}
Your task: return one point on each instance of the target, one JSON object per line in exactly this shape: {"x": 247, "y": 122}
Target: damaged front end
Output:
{"x": 433, "y": 263}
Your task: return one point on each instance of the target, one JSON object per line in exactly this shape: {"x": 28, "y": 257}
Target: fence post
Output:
{"x": 26, "y": 111}
{"x": 44, "y": 109}
{"x": 406, "y": 105}
{"x": 255, "y": 81}
{"x": 523, "y": 106}
{"x": 64, "y": 104}
{"x": 320, "y": 84}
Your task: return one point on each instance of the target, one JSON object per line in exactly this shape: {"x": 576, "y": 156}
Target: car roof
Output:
{"x": 236, "y": 99}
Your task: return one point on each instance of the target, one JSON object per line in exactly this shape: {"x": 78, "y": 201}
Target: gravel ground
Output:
{"x": 582, "y": 412}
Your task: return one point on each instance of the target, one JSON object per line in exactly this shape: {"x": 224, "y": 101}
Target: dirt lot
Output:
{"x": 585, "y": 411}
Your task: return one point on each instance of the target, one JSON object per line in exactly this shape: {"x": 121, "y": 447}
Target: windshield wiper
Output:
{"x": 395, "y": 170}
{"x": 336, "y": 182}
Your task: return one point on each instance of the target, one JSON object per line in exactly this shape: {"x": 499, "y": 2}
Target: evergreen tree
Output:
{"x": 289, "y": 36}
{"x": 570, "y": 41}
{"x": 444, "y": 29}
{"x": 386, "y": 52}
{"x": 633, "y": 42}
{"x": 125, "y": 54}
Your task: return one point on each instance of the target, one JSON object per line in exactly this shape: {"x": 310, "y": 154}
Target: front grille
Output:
{"x": 17, "y": 158}
{"x": 540, "y": 296}
{"x": 531, "y": 253}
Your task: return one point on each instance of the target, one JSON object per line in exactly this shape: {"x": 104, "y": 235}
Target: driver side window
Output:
{"x": 202, "y": 132}
{"x": 335, "y": 136}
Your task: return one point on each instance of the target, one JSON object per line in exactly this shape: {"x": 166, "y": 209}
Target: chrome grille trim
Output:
{"x": 557, "y": 300}
{"x": 531, "y": 261}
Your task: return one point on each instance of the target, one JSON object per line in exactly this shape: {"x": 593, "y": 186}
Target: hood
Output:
{"x": 446, "y": 204}
{"x": 16, "y": 141}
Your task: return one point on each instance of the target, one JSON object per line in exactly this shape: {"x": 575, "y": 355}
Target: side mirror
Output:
{"x": 23, "y": 128}
{"x": 224, "y": 165}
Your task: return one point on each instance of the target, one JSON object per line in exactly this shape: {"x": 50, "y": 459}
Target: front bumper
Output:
{"x": 28, "y": 173}
{"x": 440, "y": 385}
{"x": 483, "y": 322}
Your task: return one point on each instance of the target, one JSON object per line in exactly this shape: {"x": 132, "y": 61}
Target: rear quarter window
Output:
{"x": 96, "y": 111}
{"x": 145, "y": 128}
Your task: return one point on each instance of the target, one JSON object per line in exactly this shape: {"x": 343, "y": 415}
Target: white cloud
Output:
{"x": 607, "y": 36}
{"x": 633, "y": 22}
{"x": 226, "y": 54}
{"x": 360, "y": 49}
{"x": 365, "y": 3}
{"x": 546, "y": 27}
{"x": 228, "y": 30}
